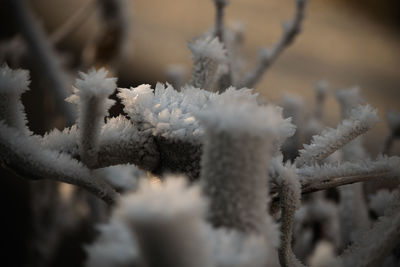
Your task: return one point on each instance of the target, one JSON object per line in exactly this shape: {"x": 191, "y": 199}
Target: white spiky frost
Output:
{"x": 12, "y": 84}
{"x": 361, "y": 120}
{"x": 171, "y": 114}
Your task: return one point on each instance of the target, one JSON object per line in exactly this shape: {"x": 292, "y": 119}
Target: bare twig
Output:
{"x": 73, "y": 22}
{"x": 43, "y": 55}
{"x": 267, "y": 57}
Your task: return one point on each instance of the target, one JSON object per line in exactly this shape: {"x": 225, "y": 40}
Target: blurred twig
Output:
{"x": 44, "y": 56}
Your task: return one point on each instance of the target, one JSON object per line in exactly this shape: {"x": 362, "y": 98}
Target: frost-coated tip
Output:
{"x": 13, "y": 81}
{"x": 239, "y": 116}
{"x": 208, "y": 47}
{"x": 95, "y": 83}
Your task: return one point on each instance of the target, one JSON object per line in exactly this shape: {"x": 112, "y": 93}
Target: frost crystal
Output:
{"x": 171, "y": 114}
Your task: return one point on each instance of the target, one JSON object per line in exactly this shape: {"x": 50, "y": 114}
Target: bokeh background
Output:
{"x": 347, "y": 43}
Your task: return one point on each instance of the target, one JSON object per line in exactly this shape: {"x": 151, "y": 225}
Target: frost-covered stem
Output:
{"x": 236, "y": 151}
{"x": 361, "y": 120}
{"x": 73, "y": 22}
{"x": 290, "y": 31}
{"x": 12, "y": 84}
{"x": 376, "y": 243}
{"x": 44, "y": 56}
{"x": 290, "y": 194}
{"x": 91, "y": 96}
{"x": 333, "y": 182}
{"x": 167, "y": 221}
{"x": 25, "y": 156}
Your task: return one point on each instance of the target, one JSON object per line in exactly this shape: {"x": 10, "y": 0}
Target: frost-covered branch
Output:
{"x": 119, "y": 143}
{"x": 26, "y": 157}
{"x": 361, "y": 120}
{"x": 315, "y": 178}
{"x": 91, "y": 96}
{"x": 12, "y": 84}
{"x": 268, "y": 56}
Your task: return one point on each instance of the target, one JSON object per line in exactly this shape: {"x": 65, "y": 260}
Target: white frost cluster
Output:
{"x": 209, "y": 56}
{"x": 361, "y": 120}
{"x": 12, "y": 84}
{"x": 93, "y": 84}
{"x": 166, "y": 112}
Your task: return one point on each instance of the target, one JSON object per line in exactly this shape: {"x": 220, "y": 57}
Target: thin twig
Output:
{"x": 339, "y": 181}
{"x": 73, "y": 22}
{"x": 266, "y": 59}
{"x": 44, "y": 56}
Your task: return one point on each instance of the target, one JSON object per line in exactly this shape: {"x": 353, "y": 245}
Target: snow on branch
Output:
{"x": 91, "y": 96}
{"x": 26, "y": 157}
{"x": 12, "y": 84}
{"x": 362, "y": 119}
{"x": 119, "y": 142}
{"x": 267, "y": 56}
{"x": 209, "y": 62}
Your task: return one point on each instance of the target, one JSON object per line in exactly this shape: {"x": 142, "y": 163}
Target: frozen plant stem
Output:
{"x": 236, "y": 152}
{"x": 267, "y": 57}
{"x": 23, "y": 155}
{"x": 12, "y": 84}
{"x": 290, "y": 194}
{"x": 91, "y": 96}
